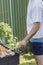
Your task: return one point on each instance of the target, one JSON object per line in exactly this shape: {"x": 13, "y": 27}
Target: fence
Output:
{"x": 14, "y": 13}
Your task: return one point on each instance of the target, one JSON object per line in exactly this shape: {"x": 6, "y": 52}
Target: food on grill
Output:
{"x": 4, "y": 52}
{"x": 2, "y": 48}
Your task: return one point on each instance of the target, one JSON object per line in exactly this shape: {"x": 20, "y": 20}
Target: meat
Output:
{"x": 4, "y": 52}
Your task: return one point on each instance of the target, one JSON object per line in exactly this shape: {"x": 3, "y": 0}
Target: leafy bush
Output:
{"x": 9, "y": 40}
{"x": 6, "y": 35}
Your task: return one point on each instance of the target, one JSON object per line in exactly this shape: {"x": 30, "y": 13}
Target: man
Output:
{"x": 35, "y": 29}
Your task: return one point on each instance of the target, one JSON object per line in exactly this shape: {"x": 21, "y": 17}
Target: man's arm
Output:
{"x": 33, "y": 31}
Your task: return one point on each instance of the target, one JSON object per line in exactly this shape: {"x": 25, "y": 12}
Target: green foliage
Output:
{"x": 5, "y": 29}
{"x": 9, "y": 40}
{"x": 6, "y": 34}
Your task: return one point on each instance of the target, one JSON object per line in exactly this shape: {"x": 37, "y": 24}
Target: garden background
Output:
{"x": 14, "y": 13}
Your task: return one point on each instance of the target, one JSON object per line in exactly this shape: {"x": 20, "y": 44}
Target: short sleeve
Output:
{"x": 37, "y": 14}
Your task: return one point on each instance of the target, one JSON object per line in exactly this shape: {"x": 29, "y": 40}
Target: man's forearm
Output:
{"x": 33, "y": 31}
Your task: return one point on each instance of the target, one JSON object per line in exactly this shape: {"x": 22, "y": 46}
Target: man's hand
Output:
{"x": 21, "y": 44}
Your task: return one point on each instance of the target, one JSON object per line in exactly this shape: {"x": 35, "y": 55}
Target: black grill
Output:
{"x": 11, "y": 60}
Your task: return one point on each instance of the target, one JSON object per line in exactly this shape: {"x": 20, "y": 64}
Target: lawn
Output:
{"x": 27, "y": 59}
